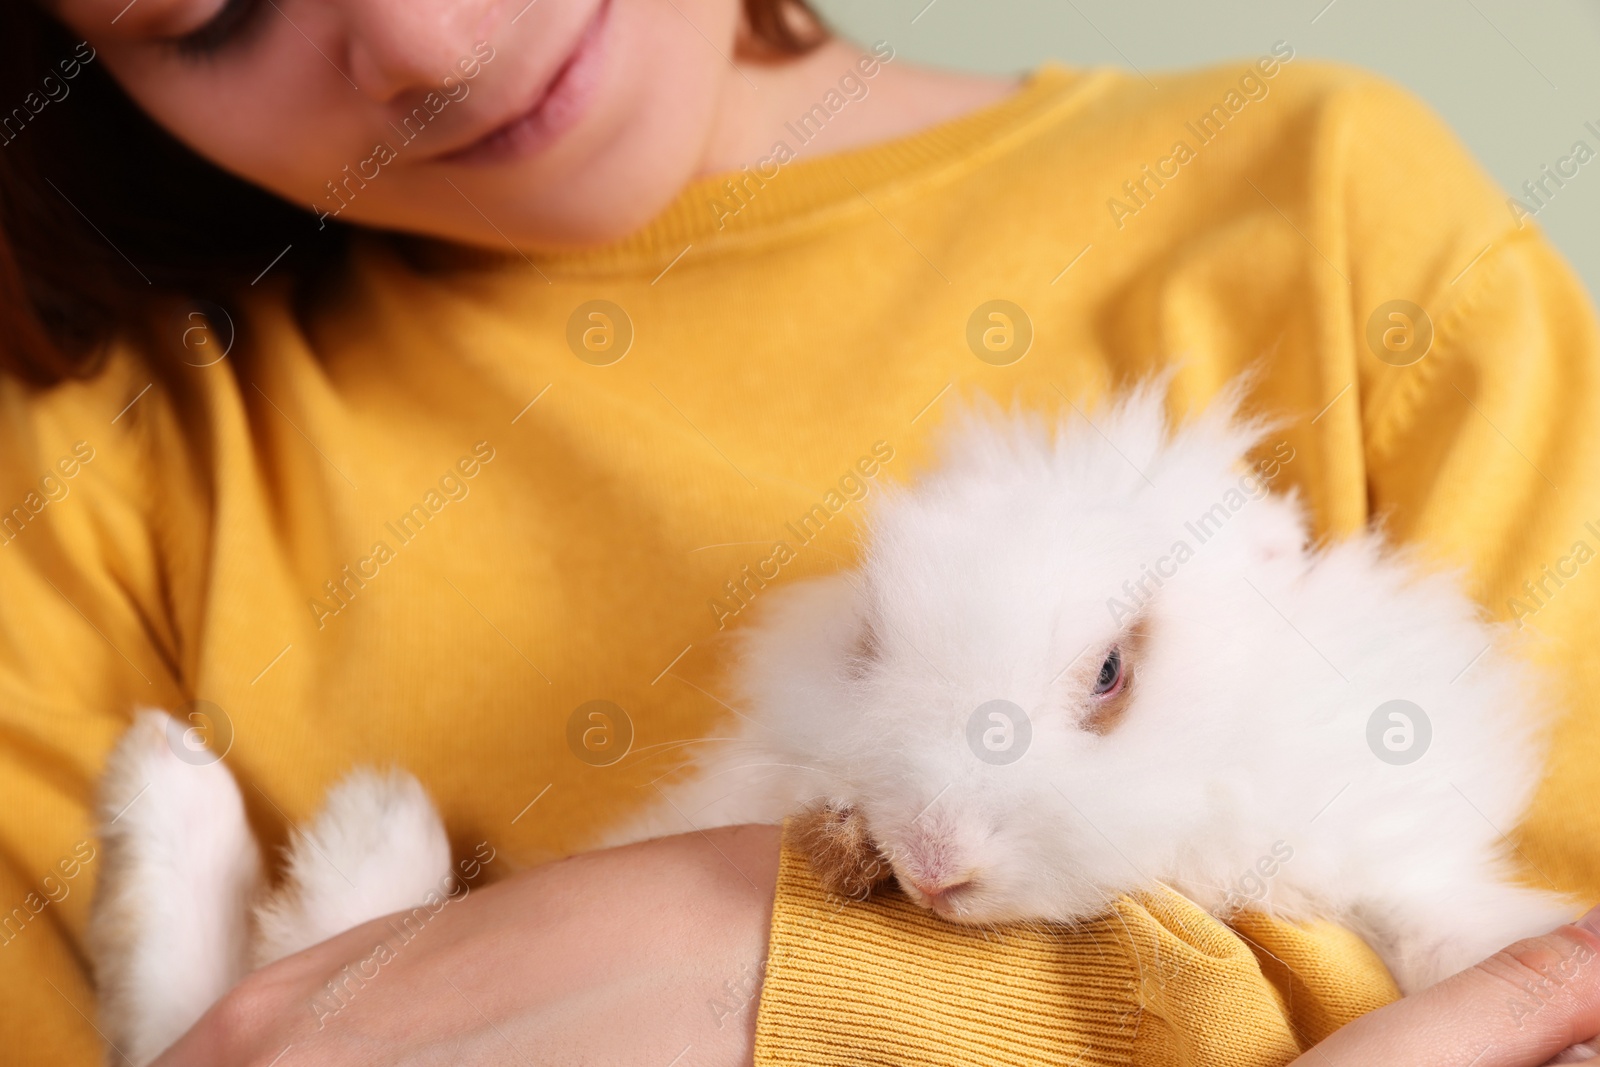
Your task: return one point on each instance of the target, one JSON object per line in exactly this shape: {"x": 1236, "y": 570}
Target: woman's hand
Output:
{"x": 632, "y": 955}
{"x": 1522, "y": 1007}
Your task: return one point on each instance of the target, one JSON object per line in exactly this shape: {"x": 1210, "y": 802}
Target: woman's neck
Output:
{"x": 835, "y": 98}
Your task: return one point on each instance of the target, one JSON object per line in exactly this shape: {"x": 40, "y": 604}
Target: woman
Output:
{"x": 433, "y": 384}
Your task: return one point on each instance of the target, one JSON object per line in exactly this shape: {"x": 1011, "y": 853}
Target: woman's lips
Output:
{"x": 557, "y": 109}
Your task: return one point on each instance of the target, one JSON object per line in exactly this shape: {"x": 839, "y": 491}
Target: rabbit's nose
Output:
{"x": 936, "y": 890}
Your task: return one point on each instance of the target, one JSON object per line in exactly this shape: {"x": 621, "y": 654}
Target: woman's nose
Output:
{"x": 394, "y": 48}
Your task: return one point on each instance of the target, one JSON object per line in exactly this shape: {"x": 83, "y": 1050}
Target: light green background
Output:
{"x": 1517, "y": 82}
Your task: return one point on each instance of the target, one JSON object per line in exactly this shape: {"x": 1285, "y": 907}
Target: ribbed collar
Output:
{"x": 807, "y": 191}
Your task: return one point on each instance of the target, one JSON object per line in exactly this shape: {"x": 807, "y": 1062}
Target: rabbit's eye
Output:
{"x": 1109, "y": 680}
{"x": 1113, "y": 686}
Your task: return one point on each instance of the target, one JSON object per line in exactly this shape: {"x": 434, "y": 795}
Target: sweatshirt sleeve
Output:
{"x": 1156, "y": 982}
{"x": 86, "y": 635}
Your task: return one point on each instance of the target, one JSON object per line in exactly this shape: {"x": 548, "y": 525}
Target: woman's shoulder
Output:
{"x": 1342, "y": 121}
{"x": 116, "y": 439}
{"x": 1351, "y": 166}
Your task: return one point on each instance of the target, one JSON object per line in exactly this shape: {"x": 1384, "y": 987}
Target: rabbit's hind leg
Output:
{"x": 377, "y": 847}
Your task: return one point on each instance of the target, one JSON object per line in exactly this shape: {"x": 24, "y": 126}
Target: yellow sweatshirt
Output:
{"x": 433, "y": 522}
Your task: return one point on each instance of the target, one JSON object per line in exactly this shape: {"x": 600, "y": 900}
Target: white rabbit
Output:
{"x": 1074, "y": 660}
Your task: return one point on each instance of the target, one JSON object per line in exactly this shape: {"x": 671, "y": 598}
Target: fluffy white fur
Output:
{"x": 1253, "y": 669}
{"x": 182, "y": 910}
{"x": 1253, "y": 672}
{"x": 179, "y": 867}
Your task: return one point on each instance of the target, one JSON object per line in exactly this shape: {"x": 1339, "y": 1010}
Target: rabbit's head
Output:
{"x": 1026, "y": 695}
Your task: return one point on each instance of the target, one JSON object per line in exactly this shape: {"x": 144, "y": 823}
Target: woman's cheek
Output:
{"x": 289, "y": 140}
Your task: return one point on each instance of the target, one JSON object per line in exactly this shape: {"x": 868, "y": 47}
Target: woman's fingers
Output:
{"x": 1520, "y": 1008}
{"x": 1589, "y": 1050}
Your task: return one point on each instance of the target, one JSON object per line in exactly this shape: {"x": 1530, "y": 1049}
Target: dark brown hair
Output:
{"x": 102, "y": 212}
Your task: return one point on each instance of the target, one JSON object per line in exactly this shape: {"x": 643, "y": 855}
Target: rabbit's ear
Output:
{"x": 834, "y": 837}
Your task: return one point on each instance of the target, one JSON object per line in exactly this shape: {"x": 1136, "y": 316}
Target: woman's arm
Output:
{"x": 655, "y": 953}
{"x": 649, "y": 954}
